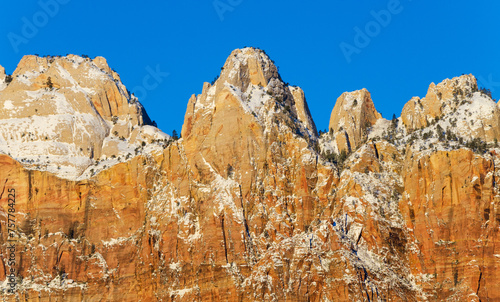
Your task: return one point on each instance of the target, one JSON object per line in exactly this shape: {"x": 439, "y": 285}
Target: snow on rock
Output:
{"x": 251, "y": 78}
{"x": 66, "y": 114}
{"x": 441, "y": 99}
{"x": 245, "y": 198}
{"x": 478, "y": 117}
{"x": 352, "y": 115}
{"x": 3, "y": 83}
{"x": 302, "y": 108}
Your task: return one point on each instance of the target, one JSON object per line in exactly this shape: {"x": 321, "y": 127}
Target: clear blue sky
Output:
{"x": 423, "y": 42}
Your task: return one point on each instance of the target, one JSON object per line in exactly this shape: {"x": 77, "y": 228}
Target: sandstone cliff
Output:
{"x": 3, "y": 83}
{"x": 82, "y": 115}
{"x": 351, "y": 117}
{"x": 245, "y": 207}
{"x": 440, "y": 99}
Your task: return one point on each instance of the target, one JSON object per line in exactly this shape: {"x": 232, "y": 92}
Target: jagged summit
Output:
{"x": 85, "y": 115}
{"x": 456, "y": 107}
{"x": 3, "y": 83}
{"x": 249, "y": 66}
{"x": 251, "y": 79}
{"x": 353, "y": 114}
{"x": 441, "y": 99}
{"x": 235, "y": 121}
{"x": 244, "y": 207}
{"x": 65, "y": 114}
{"x": 74, "y": 74}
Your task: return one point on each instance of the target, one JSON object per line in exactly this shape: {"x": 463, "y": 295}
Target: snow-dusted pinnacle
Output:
{"x": 68, "y": 114}
{"x": 352, "y": 115}
{"x": 251, "y": 78}
{"x": 3, "y": 84}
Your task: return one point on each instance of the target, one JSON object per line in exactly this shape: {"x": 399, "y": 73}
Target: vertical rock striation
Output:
{"x": 244, "y": 207}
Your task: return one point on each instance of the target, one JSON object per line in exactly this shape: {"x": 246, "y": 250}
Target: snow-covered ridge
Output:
{"x": 453, "y": 115}
{"x": 73, "y": 117}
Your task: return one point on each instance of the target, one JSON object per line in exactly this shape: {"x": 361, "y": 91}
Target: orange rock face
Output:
{"x": 440, "y": 99}
{"x": 450, "y": 206}
{"x": 351, "y": 117}
{"x": 244, "y": 208}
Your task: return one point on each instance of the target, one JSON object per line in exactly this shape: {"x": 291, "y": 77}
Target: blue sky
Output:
{"x": 318, "y": 45}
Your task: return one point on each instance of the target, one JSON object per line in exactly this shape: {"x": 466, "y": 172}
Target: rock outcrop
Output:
{"x": 3, "y": 83}
{"x": 303, "y": 113}
{"x": 243, "y": 207}
{"x": 451, "y": 208}
{"x": 441, "y": 99}
{"x": 458, "y": 105}
{"x": 353, "y": 114}
{"x": 64, "y": 114}
{"x": 236, "y": 124}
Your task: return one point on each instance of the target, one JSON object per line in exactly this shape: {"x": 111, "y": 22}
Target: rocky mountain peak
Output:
{"x": 77, "y": 74}
{"x": 3, "y": 84}
{"x": 248, "y": 108}
{"x": 65, "y": 113}
{"x": 250, "y": 81}
{"x": 249, "y": 66}
{"x": 243, "y": 207}
{"x": 352, "y": 115}
{"x": 441, "y": 99}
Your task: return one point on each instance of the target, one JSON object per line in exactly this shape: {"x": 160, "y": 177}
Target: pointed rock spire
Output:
{"x": 2, "y": 78}
{"x": 353, "y": 113}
